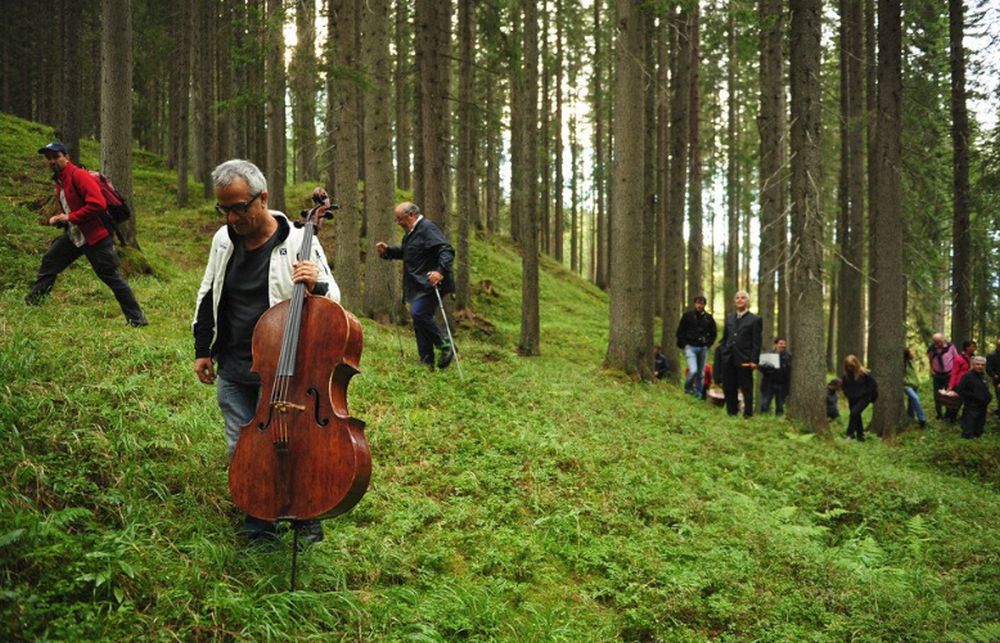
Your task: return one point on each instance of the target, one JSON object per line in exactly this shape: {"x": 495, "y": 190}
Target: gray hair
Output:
{"x": 226, "y": 173}
{"x": 743, "y": 292}
{"x": 978, "y": 359}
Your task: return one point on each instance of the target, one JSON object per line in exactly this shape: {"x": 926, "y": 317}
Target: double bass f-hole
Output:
{"x": 315, "y": 395}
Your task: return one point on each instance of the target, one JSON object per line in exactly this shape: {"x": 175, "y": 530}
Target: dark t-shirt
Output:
{"x": 244, "y": 300}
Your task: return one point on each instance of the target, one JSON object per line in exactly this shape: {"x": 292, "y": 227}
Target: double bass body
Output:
{"x": 303, "y": 456}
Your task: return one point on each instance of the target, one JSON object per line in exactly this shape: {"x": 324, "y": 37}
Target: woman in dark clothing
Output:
{"x": 860, "y": 389}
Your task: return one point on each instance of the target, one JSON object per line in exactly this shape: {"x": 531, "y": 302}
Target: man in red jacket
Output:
{"x": 82, "y": 205}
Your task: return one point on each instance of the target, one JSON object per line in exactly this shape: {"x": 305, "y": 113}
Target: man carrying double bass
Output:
{"x": 251, "y": 267}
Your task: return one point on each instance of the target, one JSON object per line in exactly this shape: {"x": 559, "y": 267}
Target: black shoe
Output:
{"x": 310, "y": 532}
{"x": 447, "y": 354}
{"x": 923, "y": 424}
{"x": 137, "y": 323}
{"x": 34, "y": 299}
{"x": 260, "y": 533}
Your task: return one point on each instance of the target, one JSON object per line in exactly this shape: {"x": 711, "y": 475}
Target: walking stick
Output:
{"x": 454, "y": 348}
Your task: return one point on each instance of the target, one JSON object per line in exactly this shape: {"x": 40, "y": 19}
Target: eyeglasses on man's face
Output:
{"x": 237, "y": 208}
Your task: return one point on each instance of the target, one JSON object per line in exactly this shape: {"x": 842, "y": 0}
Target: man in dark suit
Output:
{"x": 427, "y": 265}
{"x": 740, "y": 352}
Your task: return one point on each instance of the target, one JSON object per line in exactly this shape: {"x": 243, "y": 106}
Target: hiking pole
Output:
{"x": 454, "y": 348}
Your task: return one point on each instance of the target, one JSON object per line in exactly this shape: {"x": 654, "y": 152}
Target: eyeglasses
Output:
{"x": 237, "y": 208}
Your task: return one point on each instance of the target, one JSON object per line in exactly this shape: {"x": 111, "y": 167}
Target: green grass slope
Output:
{"x": 542, "y": 499}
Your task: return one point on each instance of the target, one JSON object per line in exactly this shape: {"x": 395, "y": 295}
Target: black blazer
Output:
{"x": 741, "y": 340}
{"x": 424, "y": 248}
{"x": 974, "y": 390}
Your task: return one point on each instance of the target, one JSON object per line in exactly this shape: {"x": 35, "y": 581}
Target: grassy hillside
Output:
{"x": 542, "y": 499}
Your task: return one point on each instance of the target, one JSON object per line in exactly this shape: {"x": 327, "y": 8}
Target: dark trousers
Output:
{"x": 855, "y": 426}
{"x": 737, "y": 378}
{"x": 941, "y": 381}
{"x": 973, "y": 420}
{"x": 777, "y": 391}
{"x": 428, "y": 334}
{"x": 102, "y": 257}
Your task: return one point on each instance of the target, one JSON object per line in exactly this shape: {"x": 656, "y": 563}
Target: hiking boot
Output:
{"x": 447, "y": 355}
{"x": 310, "y": 532}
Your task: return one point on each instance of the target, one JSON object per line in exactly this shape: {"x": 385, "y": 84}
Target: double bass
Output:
{"x": 303, "y": 456}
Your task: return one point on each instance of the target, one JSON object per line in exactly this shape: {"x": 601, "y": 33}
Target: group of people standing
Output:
{"x": 969, "y": 377}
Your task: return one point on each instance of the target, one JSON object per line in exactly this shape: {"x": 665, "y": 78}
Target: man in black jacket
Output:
{"x": 740, "y": 347}
{"x": 427, "y": 265}
{"x": 975, "y": 392}
{"x": 993, "y": 370}
{"x": 695, "y": 333}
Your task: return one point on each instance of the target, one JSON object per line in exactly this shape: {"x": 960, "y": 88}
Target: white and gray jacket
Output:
{"x": 205, "y": 325}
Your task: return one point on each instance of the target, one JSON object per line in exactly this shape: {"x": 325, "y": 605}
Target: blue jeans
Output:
{"x": 776, "y": 391}
{"x": 238, "y": 403}
{"x": 913, "y": 408}
{"x": 695, "y": 381}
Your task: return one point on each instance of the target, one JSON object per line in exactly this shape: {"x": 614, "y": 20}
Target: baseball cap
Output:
{"x": 54, "y": 146}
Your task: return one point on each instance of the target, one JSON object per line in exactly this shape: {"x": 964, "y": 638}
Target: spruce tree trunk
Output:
{"x": 574, "y": 226}
{"x": 871, "y": 116}
{"x": 597, "y": 95}
{"x": 628, "y": 346}
{"x": 344, "y": 103}
{"x": 303, "y": 72}
{"x": 545, "y": 139}
{"x": 277, "y": 157}
{"x": 528, "y": 219}
{"x": 666, "y": 51}
{"x": 771, "y": 124}
{"x": 180, "y": 100}
{"x": 731, "y": 269}
{"x": 71, "y": 82}
{"x": 695, "y": 238}
{"x": 493, "y": 152}
{"x": 961, "y": 273}
{"x": 116, "y": 102}
{"x": 673, "y": 282}
{"x": 808, "y": 398}
{"x": 403, "y": 75}
{"x": 434, "y": 60}
{"x": 558, "y": 232}
{"x": 466, "y": 172}
{"x": 205, "y": 94}
{"x": 382, "y": 301}
{"x": 850, "y": 317}
{"x": 888, "y": 333}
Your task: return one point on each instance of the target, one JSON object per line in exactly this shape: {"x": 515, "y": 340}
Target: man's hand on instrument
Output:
{"x": 380, "y": 248}
{"x": 306, "y": 272}
{"x": 434, "y": 277}
{"x": 204, "y": 369}
{"x": 57, "y": 219}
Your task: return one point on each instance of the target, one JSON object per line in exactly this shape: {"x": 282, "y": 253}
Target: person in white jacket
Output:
{"x": 252, "y": 265}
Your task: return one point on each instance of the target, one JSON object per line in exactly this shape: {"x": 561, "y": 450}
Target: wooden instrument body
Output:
{"x": 322, "y": 464}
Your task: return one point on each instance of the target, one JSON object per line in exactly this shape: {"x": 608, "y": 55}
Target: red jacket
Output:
{"x": 959, "y": 368}
{"x": 86, "y": 203}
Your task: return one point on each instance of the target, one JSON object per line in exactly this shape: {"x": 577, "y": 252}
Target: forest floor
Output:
{"x": 542, "y": 499}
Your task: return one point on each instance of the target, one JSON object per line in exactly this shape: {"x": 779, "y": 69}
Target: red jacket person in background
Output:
{"x": 82, "y": 205}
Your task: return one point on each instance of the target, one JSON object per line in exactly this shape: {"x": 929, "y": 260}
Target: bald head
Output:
{"x": 937, "y": 338}
{"x": 406, "y": 214}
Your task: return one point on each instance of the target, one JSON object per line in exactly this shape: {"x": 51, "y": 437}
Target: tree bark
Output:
{"x": 850, "y": 275}
{"x": 71, "y": 82}
{"x": 666, "y": 43}
{"x": 695, "y": 238}
{"x": 205, "y": 94}
{"x": 303, "y": 73}
{"x": 808, "y": 399}
{"x": 597, "y": 95}
{"x": 275, "y": 80}
{"x": 558, "y": 214}
{"x": 673, "y": 282}
{"x": 434, "y": 43}
{"x": 403, "y": 74}
{"x": 961, "y": 321}
{"x": 731, "y": 269}
{"x": 628, "y": 346}
{"x": 771, "y": 125}
{"x": 116, "y": 102}
{"x": 381, "y": 289}
{"x": 888, "y": 334}
{"x": 182, "y": 97}
{"x": 466, "y": 172}
{"x": 530, "y": 332}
